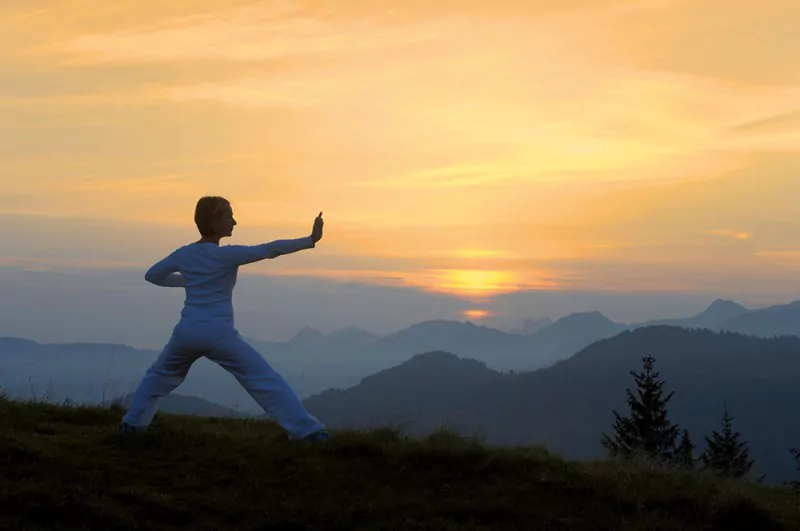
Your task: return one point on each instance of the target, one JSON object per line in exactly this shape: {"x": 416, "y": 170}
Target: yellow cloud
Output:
{"x": 788, "y": 121}
{"x": 57, "y": 264}
{"x": 784, "y": 258}
{"x": 737, "y": 235}
{"x": 477, "y": 253}
{"x": 256, "y": 32}
{"x": 752, "y": 43}
{"x": 791, "y": 254}
{"x": 456, "y": 176}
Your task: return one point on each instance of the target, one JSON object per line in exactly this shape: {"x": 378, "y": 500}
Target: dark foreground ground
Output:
{"x": 67, "y": 468}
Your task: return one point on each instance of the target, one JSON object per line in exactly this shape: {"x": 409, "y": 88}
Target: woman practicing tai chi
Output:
{"x": 207, "y": 271}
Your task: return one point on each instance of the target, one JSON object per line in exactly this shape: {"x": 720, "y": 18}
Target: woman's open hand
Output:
{"x": 316, "y": 232}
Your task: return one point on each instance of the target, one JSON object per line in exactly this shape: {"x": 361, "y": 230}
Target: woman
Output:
{"x": 207, "y": 271}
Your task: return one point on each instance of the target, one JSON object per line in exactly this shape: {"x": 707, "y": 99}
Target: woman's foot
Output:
{"x": 127, "y": 429}
{"x": 317, "y": 436}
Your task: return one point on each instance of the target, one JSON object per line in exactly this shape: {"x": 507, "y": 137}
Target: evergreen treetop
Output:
{"x": 647, "y": 431}
{"x": 725, "y": 453}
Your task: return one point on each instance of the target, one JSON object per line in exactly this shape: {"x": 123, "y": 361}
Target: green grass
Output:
{"x": 67, "y": 468}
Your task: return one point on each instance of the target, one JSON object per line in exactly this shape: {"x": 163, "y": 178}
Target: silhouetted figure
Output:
{"x": 207, "y": 271}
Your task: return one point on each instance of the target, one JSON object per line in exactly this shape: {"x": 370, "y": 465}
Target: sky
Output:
{"x": 474, "y": 160}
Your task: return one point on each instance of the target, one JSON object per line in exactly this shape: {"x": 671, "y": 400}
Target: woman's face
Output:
{"x": 224, "y": 222}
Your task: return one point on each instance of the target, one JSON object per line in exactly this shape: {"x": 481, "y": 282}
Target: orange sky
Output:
{"x": 464, "y": 147}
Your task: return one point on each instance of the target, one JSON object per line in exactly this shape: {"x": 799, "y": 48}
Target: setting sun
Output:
{"x": 476, "y": 314}
{"x": 476, "y": 282}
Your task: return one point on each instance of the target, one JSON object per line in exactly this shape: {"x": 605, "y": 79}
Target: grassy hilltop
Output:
{"x": 65, "y": 467}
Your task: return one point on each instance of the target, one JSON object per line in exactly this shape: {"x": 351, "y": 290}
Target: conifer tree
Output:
{"x": 684, "y": 455}
{"x": 725, "y": 454}
{"x": 647, "y": 431}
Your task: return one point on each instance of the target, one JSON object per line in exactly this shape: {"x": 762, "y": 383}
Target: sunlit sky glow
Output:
{"x": 468, "y": 148}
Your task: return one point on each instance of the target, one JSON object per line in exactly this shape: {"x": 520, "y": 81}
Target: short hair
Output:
{"x": 207, "y": 209}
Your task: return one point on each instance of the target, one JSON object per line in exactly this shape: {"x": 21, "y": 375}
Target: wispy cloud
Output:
{"x": 139, "y": 185}
{"x": 89, "y": 266}
{"x": 478, "y": 253}
{"x": 787, "y": 121}
{"x": 127, "y": 99}
{"x": 784, "y": 259}
{"x": 454, "y": 176}
{"x": 791, "y": 254}
{"x": 735, "y": 234}
{"x": 754, "y": 44}
{"x": 260, "y": 92}
{"x": 788, "y": 259}
{"x": 258, "y": 32}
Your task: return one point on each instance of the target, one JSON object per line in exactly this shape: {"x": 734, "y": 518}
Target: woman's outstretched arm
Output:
{"x": 244, "y": 254}
{"x": 165, "y": 273}
{"x": 236, "y": 255}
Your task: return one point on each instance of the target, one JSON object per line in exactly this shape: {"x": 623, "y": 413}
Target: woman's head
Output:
{"x": 213, "y": 216}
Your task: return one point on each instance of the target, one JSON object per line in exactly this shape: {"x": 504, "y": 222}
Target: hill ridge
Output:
{"x": 68, "y": 468}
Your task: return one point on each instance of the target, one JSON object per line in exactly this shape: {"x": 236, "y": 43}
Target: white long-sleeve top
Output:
{"x": 208, "y": 273}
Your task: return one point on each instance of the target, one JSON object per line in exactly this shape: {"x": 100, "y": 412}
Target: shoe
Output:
{"x": 317, "y": 436}
{"x": 127, "y": 429}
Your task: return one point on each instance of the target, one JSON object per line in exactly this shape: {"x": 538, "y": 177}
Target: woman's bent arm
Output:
{"x": 165, "y": 273}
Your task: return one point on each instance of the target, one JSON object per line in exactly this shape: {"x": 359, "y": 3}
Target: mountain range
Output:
{"x": 715, "y": 317}
{"x": 313, "y": 362}
{"x": 566, "y": 407}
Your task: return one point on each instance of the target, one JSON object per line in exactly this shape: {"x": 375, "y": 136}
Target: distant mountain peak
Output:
{"x": 307, "y": 333}
{"x": 718, "y": 312}
{"x": 724, "y": 305}
{"x": 585, "y": 317}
